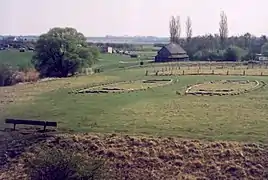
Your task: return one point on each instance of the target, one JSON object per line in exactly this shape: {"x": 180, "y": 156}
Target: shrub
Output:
{"x": 31, "y": 76}
{"x": 6, "y": 74}
{"x": 234, "y": 53}
{"x": 55, "y": 164}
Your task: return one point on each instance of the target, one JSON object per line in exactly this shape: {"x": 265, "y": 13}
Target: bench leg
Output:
{"x": 45, "y": 127}
{"x": 14, "y": 126}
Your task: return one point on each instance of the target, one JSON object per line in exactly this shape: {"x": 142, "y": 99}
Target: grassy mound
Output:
{"x": 158, "y": 158}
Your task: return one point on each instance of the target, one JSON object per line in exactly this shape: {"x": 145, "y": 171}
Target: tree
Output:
{"x": 178, "y": 23}
{"x": 62, "y": 51}
{"x": 174, "y": 29}
{"x": 233, "y": 53}
{"x": 189, "y": 31}
{"x": 223, "y": 29}
{"x": 264, "y": 49}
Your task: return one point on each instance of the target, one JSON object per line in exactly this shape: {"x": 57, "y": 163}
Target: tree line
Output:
{"x": 217, "y": 46}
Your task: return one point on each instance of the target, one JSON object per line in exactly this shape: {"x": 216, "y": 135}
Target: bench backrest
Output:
{"x": 31, "y": 122}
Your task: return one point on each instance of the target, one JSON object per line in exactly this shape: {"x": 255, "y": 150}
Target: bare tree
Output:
{"x": 178, "y": 23}
{"x": 223, "y": 28}
{"x": 174, "y": 29}
{"x": 189, "y": 30}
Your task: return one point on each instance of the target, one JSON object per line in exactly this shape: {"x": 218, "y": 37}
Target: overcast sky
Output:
{"x": 131, "y": 17}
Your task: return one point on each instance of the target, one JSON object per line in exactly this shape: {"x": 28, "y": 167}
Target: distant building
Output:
{"x": 107, "y": 49}
{"x": 261, "y": 57}
{"x": 171, "y": 52}
{"x": 11, "y": 39}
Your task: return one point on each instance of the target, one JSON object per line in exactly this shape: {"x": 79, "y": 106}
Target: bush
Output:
{"x": 55, "y": 164}
{"x": 234, "y": 53}
{"x": 10, "y": 76}
{"x": 6, "y": 74}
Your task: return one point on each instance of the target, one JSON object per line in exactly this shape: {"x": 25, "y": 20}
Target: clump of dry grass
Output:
{"x": 169, "y": 158}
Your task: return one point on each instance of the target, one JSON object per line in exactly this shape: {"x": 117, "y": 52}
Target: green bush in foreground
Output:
{"x": 54, "y": 164}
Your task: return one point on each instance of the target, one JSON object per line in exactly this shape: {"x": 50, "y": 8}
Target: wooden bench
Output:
{"x": 31, "y": 122}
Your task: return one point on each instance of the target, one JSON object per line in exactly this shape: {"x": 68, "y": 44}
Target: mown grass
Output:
{"x": 159, "y": 111}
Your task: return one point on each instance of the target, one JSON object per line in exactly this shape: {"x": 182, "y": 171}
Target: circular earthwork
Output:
{"x": 126, "y": 86}
{"x": 224, "y": 87}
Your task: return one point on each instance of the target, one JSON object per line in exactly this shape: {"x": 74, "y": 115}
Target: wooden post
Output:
{"x": 244, "y": 73}
{"x": 183, "y": 72}
{"x": 227, "y": 73}
{"x": 261, "y": 73}
{"x": 146, "y": 73}
{"x": 213, "y": 71}
{"x": 14, "y": 126}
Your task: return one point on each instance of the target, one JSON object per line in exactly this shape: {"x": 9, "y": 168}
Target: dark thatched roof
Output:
{"x": 175, "y": 49}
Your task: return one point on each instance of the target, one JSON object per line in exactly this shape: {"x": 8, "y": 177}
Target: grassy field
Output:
{"x": 16, "y": 58}
{"x": 106, "y": 61}
{"x": 158, "y": 133}
{"x": 159, "y": 111}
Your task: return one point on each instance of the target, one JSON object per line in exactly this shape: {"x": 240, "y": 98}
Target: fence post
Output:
{"x": 213, "y": 71}
{"x": 183, "y": 72}
{"x": 146, "y": 73}
{"x": 227, "y": 73}
{"x": 244, "y": 73}
{"x": 261, "y": 73}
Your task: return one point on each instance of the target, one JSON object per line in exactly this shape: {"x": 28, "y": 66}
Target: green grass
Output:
{"x": 159, "y": 111}
{"x": 16, "y": 58}
{"x": 109, "y": 62}
{"x": 106, "y": 62}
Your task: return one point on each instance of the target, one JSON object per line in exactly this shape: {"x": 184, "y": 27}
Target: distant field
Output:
{"x": 106, "y": 61}
{"x": 16, "y": 58}
{"x": 115, "y": 61}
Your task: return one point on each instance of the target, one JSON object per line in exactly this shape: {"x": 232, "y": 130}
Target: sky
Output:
{"x": 131, "y": 17}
